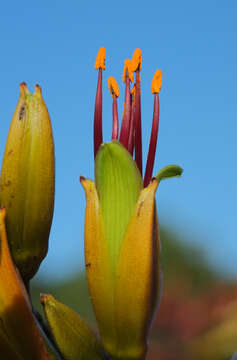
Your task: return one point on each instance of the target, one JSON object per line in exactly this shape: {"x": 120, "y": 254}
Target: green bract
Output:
{"x": 118, "y": 183}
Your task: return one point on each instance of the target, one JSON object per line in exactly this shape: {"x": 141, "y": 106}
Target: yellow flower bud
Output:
{"x": 27, "y": 182}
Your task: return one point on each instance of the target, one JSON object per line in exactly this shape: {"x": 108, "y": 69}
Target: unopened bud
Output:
{"x": 27, "y": 182}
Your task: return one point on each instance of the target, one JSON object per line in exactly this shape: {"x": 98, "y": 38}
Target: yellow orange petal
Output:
{"x": 15, "y": 310}
{"x": 138, "y": 276}
{"x": 98, "y": 268}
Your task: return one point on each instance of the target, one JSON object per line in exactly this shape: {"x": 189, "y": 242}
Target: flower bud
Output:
{"x": 70, "y": 332}
{"x": 27, "y": 182}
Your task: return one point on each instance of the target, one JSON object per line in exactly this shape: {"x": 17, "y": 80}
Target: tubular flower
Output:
{"x": 121, "y": 227}
{"x": 27, "y": 182}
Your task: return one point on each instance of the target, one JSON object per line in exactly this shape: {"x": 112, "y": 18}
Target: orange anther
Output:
{"x": 113, "y": 86}
{"x": 156, "y": 82}
{"x": 137, "y": 60}
{"x": 100, "y": 59}
{"x": 127, "y": 70}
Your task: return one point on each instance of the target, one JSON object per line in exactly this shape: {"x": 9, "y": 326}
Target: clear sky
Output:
{"x": 54, "y": 43}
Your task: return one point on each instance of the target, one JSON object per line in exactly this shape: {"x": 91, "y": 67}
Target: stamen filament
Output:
{"x": 127, "y": 77}
{"x": 153, "y": 142}
{"x": 100, "y": 65}
{"x": 98, "y": 137}
{"x": 131, "y": 130}
{"x": 156, "y": 86}
{"x": 114, "y": 90}
{"x": 137, "y": 120}
{"x": 115, "y": 130}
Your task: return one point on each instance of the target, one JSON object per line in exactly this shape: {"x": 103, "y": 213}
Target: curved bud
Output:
{"x": 17, "y": 321}
{"x": 138, "y": 277}
{"x": 70, "y": 332}
{"x": 27, "y": 182}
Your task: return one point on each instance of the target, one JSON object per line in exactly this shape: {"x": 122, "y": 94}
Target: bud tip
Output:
{"x": 38, "y": 89}
{"x": 82, "y": 178}
{"x": 44, "y": 298}
{"x": 24, "y": 88}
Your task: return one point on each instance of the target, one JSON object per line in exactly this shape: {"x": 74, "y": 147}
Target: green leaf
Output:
{"x": 169, "y": 171}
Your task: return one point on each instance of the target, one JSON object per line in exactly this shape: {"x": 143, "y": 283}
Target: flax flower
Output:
{"x": 122, "y": 249}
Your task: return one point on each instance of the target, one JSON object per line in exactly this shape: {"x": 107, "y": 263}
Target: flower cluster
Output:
{"x": 122, "y": 249}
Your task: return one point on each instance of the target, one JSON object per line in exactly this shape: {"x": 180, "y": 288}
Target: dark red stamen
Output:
{"x": 98, "y": 138}
{"x": 137, "y": 121}
{"x": 115, "y": 119}
{"x": 153, "y": 142}
{"x": 131, "y": 130}
{"x": 124, "y": 134}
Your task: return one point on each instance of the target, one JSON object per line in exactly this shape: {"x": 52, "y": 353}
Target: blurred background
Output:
{"x": 55, "y": 44}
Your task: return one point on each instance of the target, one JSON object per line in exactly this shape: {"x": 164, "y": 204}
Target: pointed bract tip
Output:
{"x": 113, "y": 86}
{"x": 44, "y": 298}
{"x": 100, "y": 59}
{"x": 137, "y": 60}
{"x": 82, "y": 178}
{"x": 38, "y": 89}
{"x": 127, "y": 70}
{"x": 24, "y": 88}
{"x": 156, "y": 82}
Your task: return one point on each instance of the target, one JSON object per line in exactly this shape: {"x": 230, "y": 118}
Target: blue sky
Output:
{"x": 55, "y": 44}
